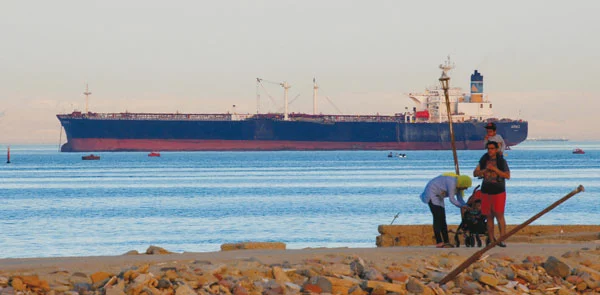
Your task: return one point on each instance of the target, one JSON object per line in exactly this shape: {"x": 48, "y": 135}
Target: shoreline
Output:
{"x": 519, "y": 268}
{"x": 273, "y": 255}
{"x": 412, "y": 235}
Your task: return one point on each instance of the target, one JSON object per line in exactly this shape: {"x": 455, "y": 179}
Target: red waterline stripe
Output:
{"x": 95, "y": 144}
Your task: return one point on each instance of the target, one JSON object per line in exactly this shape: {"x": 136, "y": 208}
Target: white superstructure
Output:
{"x": 431, "y": 104}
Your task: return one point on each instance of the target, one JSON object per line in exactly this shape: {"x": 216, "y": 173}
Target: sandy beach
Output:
{"x": 538, "y": 267}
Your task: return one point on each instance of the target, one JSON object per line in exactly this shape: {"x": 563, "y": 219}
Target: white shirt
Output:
{"x": 442, "y": 187}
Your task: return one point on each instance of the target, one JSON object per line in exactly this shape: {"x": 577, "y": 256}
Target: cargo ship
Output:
{"x": 425, "y": 127}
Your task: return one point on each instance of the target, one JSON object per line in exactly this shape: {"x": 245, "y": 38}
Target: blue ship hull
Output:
{"x": 106, "y": 133}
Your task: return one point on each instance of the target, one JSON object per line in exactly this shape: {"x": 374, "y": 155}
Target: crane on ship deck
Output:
{"x": 283, "y": 84}
{"x": 259, "y": 84}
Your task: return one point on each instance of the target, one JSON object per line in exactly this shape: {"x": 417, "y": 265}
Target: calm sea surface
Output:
{"x": 55, "y": 204}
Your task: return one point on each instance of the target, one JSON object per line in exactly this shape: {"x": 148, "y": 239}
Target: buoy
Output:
{"x": 8, "y": 155}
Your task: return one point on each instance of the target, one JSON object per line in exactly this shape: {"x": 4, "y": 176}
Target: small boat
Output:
{"x": 154, "y": 154}
{"x": 578, "y": 151}
{"x": 401, "y": 155}
{"x": 90, "y": 157}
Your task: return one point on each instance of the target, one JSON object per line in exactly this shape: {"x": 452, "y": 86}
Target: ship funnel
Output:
{"x": 476, "y": 87}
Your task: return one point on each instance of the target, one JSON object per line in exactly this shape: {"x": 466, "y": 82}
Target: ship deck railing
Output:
{"x": 346, "y": 118}
{"x": 151, "y": 116}
{"x": 241, "y": 117}
{"x": 231, "y": 117}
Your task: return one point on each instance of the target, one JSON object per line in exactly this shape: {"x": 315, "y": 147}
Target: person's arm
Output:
{"x": 480, "y": 169}
{"x": 505, "y": 168}
{"x": 455, "y": 196}
{"x": 478, "y": 172}
{"x": 501, "y": 173}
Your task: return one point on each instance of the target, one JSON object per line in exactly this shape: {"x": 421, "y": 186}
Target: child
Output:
{"x": 491, "y": 135}
{"x": 476, "y": 223}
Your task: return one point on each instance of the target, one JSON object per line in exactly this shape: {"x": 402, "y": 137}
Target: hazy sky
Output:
{"x": 540, "y": 59}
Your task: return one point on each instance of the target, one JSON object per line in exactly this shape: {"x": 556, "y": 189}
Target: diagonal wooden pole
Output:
{"x": 478, "y": 254}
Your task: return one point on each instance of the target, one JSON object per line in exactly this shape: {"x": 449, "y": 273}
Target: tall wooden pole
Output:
{"x": 478, "y": 254}
{"x": 444, "y": 79}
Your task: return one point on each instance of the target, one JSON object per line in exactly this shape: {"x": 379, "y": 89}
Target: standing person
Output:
{"x": 447, "y": 185}
{"x": 494, "y": 171}
{"x": 493, "y": 136}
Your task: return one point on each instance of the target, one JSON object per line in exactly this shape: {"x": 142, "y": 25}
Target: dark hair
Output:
{"x": 491, "y": 125}
{"x": 492, "y": 142}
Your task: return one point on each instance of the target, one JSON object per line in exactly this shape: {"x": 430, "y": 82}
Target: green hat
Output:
{"x": 463, "y": 181}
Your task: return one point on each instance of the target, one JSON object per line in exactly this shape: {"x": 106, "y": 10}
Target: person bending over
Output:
{"x": 448, "y": 185}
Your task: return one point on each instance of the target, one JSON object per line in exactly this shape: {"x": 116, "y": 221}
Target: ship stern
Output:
{"x": 513, "y": 132}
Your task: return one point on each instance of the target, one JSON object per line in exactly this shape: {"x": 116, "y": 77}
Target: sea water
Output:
{"x": 55, "y": 204}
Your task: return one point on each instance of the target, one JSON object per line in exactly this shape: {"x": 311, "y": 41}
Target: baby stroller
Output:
{"x": 473, "y": 223}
